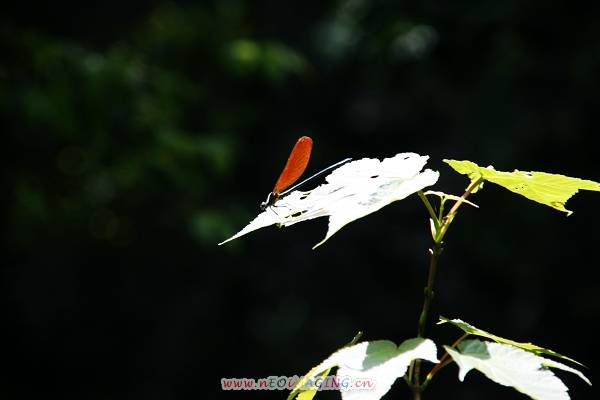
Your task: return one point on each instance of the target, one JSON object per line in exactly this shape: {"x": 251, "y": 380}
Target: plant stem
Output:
{"x": 443, "y": 362}
{"x": 435, "y": 253}
{"x": 416, "y": 379}
{"x": 450, "y": 216}
{"x": 428, "y": 205}
{"x": 441, "y": 227}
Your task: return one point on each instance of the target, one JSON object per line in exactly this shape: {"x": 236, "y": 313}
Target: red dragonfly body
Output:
{"x": 294, "y": 168}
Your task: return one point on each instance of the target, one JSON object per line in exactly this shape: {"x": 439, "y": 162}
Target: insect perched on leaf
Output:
{"x": 294, "y": 168}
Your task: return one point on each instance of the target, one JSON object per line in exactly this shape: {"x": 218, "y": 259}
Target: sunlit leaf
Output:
{"x": 511, "y": 366}
{"x": 308, "y": 394}
{"x": 379, "y": 360}
{"x": 471, "y": 330}
{"x": 384, "y": 368}
{"x": 549, "y": 189}
{"x": 352, "y": 191}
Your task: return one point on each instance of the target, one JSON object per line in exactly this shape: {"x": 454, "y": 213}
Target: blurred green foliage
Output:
{"x": 151, "y": 115}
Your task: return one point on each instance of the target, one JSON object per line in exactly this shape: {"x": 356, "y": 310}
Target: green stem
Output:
{"x": 447, "y": 220}
{"x": 429, "y": 208}
{"x": 435, "y": 253}
{"x": 415, "y": 370}
{"x": 441, "y": 227}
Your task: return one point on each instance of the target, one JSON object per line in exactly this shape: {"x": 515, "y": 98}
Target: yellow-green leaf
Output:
{"x": 307, "y": 394}
{"x": 550, "y": 189}
{"x": 471, "y": 330}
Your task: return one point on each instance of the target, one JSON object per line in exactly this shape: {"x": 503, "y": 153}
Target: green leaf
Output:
{"x": 380, "y": 360}
{"x": 471, "y": 330}
{"x": 549, "y": 189}
{"x": 511, "y": 366}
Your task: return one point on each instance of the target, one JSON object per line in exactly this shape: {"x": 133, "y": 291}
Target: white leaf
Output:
{"x": 385, "y": 371}
{"x": 352, "y": 191}
{"x": 556, "y": 364}
{"x": 511, "y": 366}
{"x": 380, "y": 360}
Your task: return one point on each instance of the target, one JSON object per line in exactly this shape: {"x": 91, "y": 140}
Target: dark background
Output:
{"x": 140, "y": 134}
